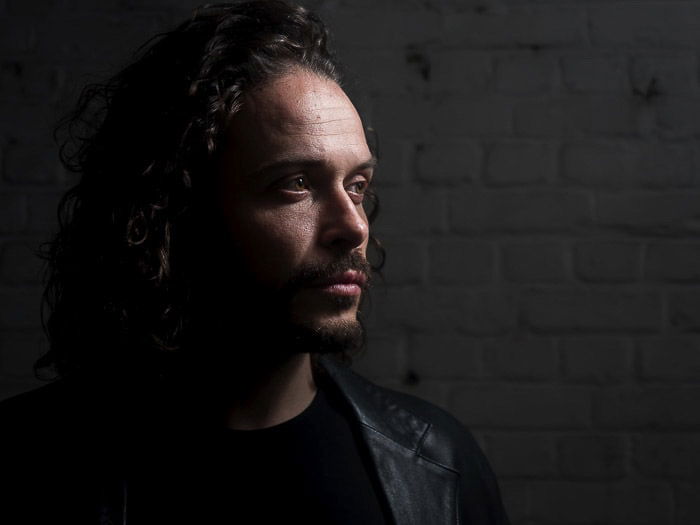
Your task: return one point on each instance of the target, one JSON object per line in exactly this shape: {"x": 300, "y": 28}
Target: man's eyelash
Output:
{"x": 364, "y": 182}
{"x": 286, "y": 183}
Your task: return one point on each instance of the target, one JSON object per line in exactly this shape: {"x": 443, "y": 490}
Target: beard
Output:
{"x": 342, "y": 338}
{"x": 240, "y": 325}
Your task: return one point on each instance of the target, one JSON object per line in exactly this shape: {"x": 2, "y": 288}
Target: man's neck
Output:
{"x": 276, "y": 396}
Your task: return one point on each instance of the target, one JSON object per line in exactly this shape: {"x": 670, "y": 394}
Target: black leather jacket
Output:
{"x": 430, "y": 467}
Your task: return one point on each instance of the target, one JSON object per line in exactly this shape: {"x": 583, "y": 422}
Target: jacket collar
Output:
{"x": 417, "y": 490}
{"x": 375, "y": 410}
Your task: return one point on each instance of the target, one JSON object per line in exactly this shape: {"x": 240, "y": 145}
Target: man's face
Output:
{"x": 292, "y": 180}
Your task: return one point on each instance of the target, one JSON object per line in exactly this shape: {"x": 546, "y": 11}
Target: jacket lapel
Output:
{"x": 418, "y": 490}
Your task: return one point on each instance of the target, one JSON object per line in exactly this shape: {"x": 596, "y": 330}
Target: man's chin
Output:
{"x": 336, "y": 336}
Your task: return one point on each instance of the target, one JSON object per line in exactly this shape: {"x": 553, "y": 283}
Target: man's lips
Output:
{"x": 350, "y": 282}
{"x": 347, "y": 277}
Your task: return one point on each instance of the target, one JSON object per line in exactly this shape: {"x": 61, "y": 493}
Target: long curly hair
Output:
{"x": 118, "y": 281}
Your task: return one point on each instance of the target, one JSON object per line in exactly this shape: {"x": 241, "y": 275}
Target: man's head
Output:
{"x": 221, "y": 201}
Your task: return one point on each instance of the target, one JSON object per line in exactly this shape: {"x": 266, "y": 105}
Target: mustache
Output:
{"x": 307, "y": 275}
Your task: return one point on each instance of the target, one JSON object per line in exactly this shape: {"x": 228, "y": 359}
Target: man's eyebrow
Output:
{"x": 368, "y": 164}
{"x": 302, "y": 163}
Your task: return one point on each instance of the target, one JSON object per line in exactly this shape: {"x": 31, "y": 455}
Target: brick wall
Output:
{"x": 541, "y": 203}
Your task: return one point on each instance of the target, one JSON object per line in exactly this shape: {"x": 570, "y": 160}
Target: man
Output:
{"x": 204, "y": 291}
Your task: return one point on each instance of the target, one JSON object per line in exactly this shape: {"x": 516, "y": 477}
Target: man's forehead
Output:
{"x": 302, "y": 100}
{"x": 300, "y": 118}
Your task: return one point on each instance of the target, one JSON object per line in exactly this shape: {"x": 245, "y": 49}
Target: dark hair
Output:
{"x": 118, "y": 279}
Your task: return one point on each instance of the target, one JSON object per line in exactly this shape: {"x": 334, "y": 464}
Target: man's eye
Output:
{"x": 359, "y": 187}
{"x": 295, "y": 184}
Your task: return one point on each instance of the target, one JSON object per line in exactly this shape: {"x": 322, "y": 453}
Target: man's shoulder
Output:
{"x": 33, "y": 423}
{"x": 438, "y": 419}
{"x": 432, "y": 434}
{"x": 54, "y": 411}
{"x": 425, "y": 427}
{"x": 38, "y": 404}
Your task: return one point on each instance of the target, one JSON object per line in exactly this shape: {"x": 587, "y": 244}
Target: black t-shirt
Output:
{"x": 311, "y": 469}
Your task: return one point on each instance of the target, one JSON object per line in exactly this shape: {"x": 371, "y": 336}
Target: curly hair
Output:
{"x": 118, "y": 281}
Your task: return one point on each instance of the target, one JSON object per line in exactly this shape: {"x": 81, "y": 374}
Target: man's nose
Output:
{"x": 343, "y": 223}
